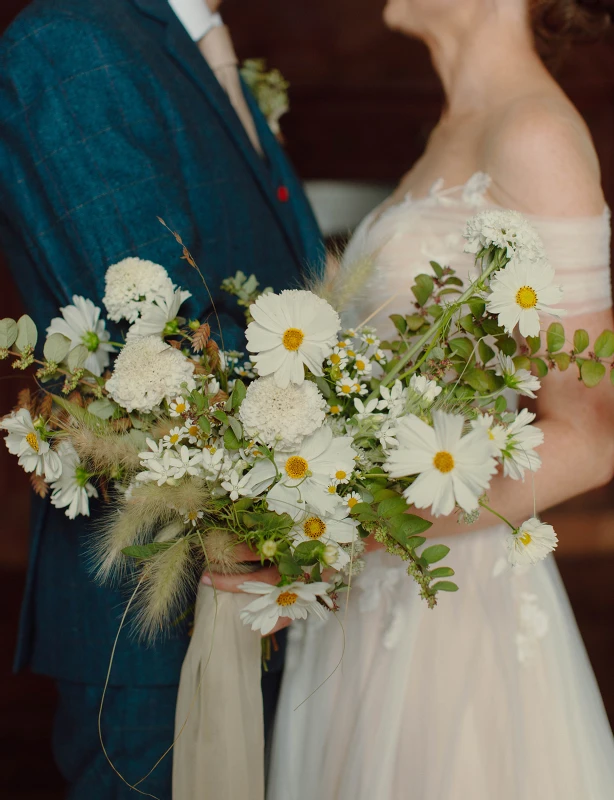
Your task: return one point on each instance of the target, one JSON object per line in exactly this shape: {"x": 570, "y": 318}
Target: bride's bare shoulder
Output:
{"x": 541, "y": 158}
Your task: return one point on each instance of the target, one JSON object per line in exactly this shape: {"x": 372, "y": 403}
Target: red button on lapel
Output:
{"x": 283, "y": 195}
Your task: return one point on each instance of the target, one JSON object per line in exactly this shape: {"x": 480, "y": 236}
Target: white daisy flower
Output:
{"x": 26, "y": 442}
{"x": 497, "y": 434}
{"x": 335, "y": 409}
{"x": 193, "y": 517}
{"x": 530, "y": 543}
{"x": 131, "y": 285}
{"x": 148, "y": 371}
{"x": 338, "y": 358}
{"x": 346, "y": 386}
{"x": 362, "y": 365}
{"x": 519, "y": 453}
{"x": 350, "y": 333}
{"x": 295, "y": 600}
{"x": 193, "y": 432}
{"x": 155, "y": 316}
{"x": 81, "y": 324}
{"x": 174, "y": 436}
{"x": 369, "y": 338}
{"x": 352, "y": 499}
{"x": 519, "y": 292}
{"x": 380, "y": 356}
{"x": 280, "y": 417}
{"x": 452, "y": 469}
{"x": 72, "y": 490}
{"x": 520, "y": 380}
{"x": 185, "y": 461}
{"x": 305, "y": 474}
{"x": 428, "y": 389}
{"x": 178, "y": 407}
{"x": 335, "y": 530}
{"x": 509, "y": 230}
{"x": 291, "y": 330}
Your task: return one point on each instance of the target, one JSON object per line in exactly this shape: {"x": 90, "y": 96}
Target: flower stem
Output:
{"x": 492, "y": 511}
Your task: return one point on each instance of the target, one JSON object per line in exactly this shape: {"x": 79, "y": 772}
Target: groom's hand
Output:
{"x": 231, "y": 583}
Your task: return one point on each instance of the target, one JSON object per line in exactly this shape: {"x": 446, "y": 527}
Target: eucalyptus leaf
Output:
{"x": 562, "y": 360}
{"x": 442, "y": 572}
{"x": 384, "y": 494}
{"x": 555, "y": 337}
{"x": 103, "y": 408}
{"x": 540, "y": 367}
{"x": 27, "y": 334}
{"x": 445, "y": 586}
{"x": 8, "y": 332}
{"x": 580, "y": 340}
{"x": 77, "y": 357}
{"x": 435, "y": 553}
{"x": 592, "y": 373}
{"x": 522, "y": 362}
{"x": 204, "y": 425}
{"x": 409, "y": 524}
{"x": 534, "y": 342}
{"x": 414, "y": 541}
{"x": 56, "y": 348}
{"x": 604, "y": 346}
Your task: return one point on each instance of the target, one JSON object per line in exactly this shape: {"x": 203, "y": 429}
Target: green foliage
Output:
{"x": 534, "y": 343}
{"x": 423, "y": 288}
{"x": 592, "y": 373}
{"x": 434, "y": 553}
{"x": 555, "y": 337}
{"x": 8, "y": 333}
{"x": 56, "y": 348}
{"x": 580, "y": 340}
{"x": 143, "y": 551}
{"x": 604, "y": 346}
{"x": 27, "y": 334}
{"x": 445, "y": 586}
{"x": 77, "y": 357}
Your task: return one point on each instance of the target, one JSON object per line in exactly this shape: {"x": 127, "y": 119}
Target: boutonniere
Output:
{"x": 270, "y": 89}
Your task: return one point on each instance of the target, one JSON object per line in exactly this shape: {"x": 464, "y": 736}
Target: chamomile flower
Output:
{"x": 530, "y": 543}
{"x": 295, "y": 600}
{"x": 337, "y": 358}
{"x": 291, "y": 330}
{"x": 174, "y": 436}
{"x": 362, "y": 365}
{"x": 379, "y": 356}
{"x": 178, "y": 407}
{"x": 193, "y": 517}
{"x": 25, "y": 441}
{"x": 157, "y": 315}
{"x": 81, "y": 324}
{"x": 519, "y": 453}
{"x": 352, "y": 499}
{"x": 72, "y": 490}
{"x": 347, "y": 386}
{"x": 428, "y": 389}
{"x": 369, "y": 338}
{"x": 329, "y": 530}
{"x": 520, "y": 380}
{"x": 193, "y": 432}
{"x": 519, "y": 292}
{"x": 335, "y": 409}
{"x": 452, "y": 469}
{"x": 497, "y": 434}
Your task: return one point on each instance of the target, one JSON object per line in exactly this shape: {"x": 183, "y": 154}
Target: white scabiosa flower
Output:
{"x": 426, "y": 388}
{"x": 509, "y": 230}
{"x": 280, "y": 417}
{"x": 25, "y": 442}
{"x": 131, "y": 284}
{"x": 497, "y": 434}
{"x": 72, "y": 490}
{"x": 147, "y": 372}
{"x": 306, "y": 473}
{"x": 155, "y": 316}
{"x": 295, "y": 600}
{"x": 520, "y": 380}
{"x": 519, "y": 292}
{"x": 291, "y": 330}
{"x": 519, "y": 452}
{"x": 452, "y": 469}
{"x": 81, "y": 324}
{"x": 530, "y": 543}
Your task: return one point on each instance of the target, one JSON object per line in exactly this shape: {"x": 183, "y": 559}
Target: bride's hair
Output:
{"x": 560, "y": 22}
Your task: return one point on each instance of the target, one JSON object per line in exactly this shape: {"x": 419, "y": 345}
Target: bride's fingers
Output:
{"x": 284, "y": 622}
{"x": 242, "y": 553}
{"x": 231, "y": 583}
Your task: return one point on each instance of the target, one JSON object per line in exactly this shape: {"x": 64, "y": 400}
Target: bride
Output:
{"x": 491, "y": 695}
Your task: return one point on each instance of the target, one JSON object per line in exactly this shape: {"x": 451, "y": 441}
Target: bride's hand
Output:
{"x": 231, "y": 583}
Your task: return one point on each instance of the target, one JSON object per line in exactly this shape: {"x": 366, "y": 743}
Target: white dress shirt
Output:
{"x": 195, "y": 17}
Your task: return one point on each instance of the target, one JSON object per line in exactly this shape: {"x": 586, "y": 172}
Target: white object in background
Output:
{"x": 340, "y": 205}
{"x": 195, "y": 17}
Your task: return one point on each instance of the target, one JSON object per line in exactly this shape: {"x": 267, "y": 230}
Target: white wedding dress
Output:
{"x": 490, "y": 696}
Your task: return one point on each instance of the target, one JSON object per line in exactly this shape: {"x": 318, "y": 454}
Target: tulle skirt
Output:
{"x": 490, "y": 696}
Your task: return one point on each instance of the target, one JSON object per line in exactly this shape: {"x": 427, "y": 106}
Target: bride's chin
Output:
{"x": 396, "y": 17}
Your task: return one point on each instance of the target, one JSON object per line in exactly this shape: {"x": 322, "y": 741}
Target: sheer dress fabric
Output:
{"x": 491, "y": 695}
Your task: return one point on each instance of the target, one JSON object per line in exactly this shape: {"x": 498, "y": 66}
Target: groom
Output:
{"x": 114, "y": 113}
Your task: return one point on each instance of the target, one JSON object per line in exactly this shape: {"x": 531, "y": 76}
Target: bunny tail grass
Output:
{"x": 103, "y": 450}
{"x": 345, "y": 284}
{"x": 167, "y": 589}
{"x": 219, "y": 546}
{"x": 137, "y": 519}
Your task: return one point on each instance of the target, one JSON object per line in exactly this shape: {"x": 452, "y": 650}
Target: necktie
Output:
{"x": 216, "y": 46}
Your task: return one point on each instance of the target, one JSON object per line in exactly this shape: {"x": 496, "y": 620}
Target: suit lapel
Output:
{"x": 185, "y": 53}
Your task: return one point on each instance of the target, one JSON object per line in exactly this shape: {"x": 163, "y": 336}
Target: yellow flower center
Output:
{"x": 314, "y": 527}
{"x": 352, "y": 502}
{"x": 193, "y": 430}
{"x": 335, "y": 409}
{"x": 351, "y": 353}
{"x": 293, "y": 338}
{"x": 332, "y": 489}
{"x": 360, "y": 364}
{"x": 491, "y": 435}
{"x": 346, "y": 388}
{"x": 443, "y": 461}
{"x": 296, "y": 467}
{"x": 526, "y": 297}
{"x": 174, "y": 438}
{"x": 180, "y": 408}
{"x": 32, "y": 440}
{"x": 340, "y": 475}
{"x": 287, "y": 599}
{"x": 335, "y": 359}
{"x": 526, "y": 538}
{"x": 192, "y": 515}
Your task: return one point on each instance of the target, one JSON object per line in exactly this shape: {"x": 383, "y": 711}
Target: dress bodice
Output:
{"x": 404, "y": 237}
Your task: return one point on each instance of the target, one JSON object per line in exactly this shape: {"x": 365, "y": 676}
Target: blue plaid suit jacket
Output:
{"x": 110, "y": 118}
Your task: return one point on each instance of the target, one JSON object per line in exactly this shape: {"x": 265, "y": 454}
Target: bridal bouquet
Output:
{"x": 321, "y": 438}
